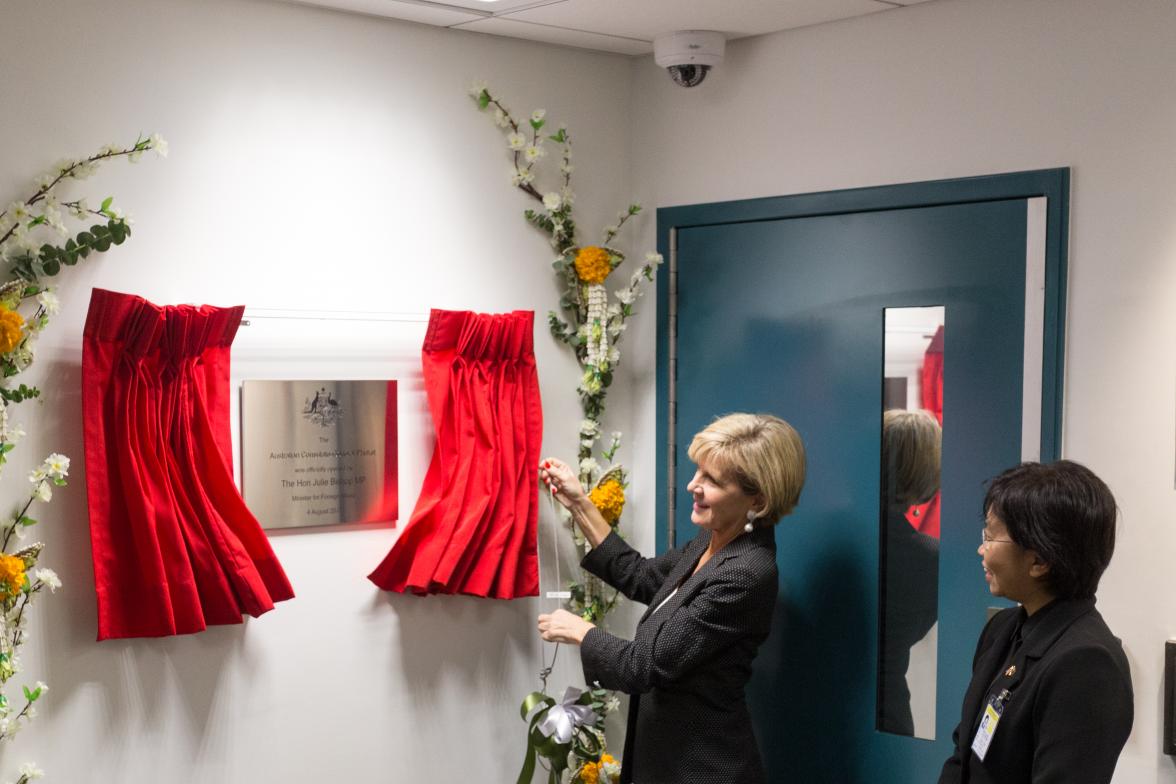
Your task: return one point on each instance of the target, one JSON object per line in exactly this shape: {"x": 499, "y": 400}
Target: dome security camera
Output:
{"x": 689, "y": 54}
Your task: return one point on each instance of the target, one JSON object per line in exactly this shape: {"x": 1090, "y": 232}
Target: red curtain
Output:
{"x": 473, "y": 530}
{"x": 174, "y": 547}
{"x": 925, "y": 517}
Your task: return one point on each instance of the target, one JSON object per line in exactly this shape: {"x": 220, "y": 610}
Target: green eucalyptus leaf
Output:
{"x": 106, "y": 204}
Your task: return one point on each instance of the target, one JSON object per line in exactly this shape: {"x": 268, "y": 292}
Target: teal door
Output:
{"x": 778, "y": 305}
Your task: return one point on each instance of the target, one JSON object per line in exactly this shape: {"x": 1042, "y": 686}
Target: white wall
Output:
{"x": 317, "y": 161}
{"x": 956, "y": 88}
{"x": 304, "y": 141}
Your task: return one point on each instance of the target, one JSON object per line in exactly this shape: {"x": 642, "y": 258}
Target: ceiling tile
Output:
{"x": 507, "y": 26}
{"x": 394, "y": 9}
{"x": 644, "y": 20}
{"x": 493, "y": 6}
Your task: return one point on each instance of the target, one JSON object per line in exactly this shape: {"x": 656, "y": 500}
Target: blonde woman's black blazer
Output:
{"x": 1070, "y": 709}
{"x": 689, "y": 661}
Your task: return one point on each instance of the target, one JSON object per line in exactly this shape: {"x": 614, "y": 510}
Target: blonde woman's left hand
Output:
{"x": 563, "y": 626}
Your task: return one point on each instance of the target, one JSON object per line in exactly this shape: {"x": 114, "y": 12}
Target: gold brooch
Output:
{"x": 1011, "y": 671}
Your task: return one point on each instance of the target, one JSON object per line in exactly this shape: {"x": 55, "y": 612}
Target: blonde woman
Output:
{"x": 710, "y": 605}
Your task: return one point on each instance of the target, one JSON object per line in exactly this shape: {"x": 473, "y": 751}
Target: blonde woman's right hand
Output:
{"x": 561, "y": 482}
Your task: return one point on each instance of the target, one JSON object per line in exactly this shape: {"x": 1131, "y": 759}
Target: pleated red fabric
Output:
{"x": 175, "y": 549}
{"x": 473, "y": 530}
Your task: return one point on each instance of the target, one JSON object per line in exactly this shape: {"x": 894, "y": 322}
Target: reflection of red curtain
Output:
{"x": 473, "y": 530}
{"x": 925, "y": 517}
{"x": 931, "y": 379}
{"x": 174, "y": 547}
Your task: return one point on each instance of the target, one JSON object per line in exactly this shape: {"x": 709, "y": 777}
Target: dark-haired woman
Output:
{"x": 1050, "y": 698}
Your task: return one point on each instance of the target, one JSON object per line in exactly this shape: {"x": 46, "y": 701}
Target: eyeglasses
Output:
{"x": 986, "y": 540}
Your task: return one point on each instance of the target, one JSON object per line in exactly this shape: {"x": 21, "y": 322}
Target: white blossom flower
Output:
{"x": 29, "y": 244}
{"x": 477, "y": 87}
{"x": 108, "y": 149}
{"x": 38, "y": 474}
{"x": 47, "y": 577}
{"x": 43, "y": 492}
{"x": 40, "y": 685}
{"x": 653, "y": 258}
{"x": 31, "y": 771}
{"x": 85, "y": 170}
{"x": 79, "y": 209}
{"x": 614, "y": 356}
{"x": 612, "y": 704}
{"x": 13, "y": 435}
{"x": 566, "y": 168}
{"x": 500, "y": 118}
{"x": 159, "y": 144}
{"x": 533, "y": 153}
{"x": 566, "y": 194}
{"x": 610, "y": 230}
{"x": 48, "y": 300}
{"x": 611, "y": 769}
{"x": 552, "y": 201}
{"x": 516, "y": 141}
{"x": 538, "y": 115}
{"x": 627, "y": 296}
{"x": 557, "y": 228}
{"x": 43, "y": 181}
{"x": 589, "y": 467}
{"x": 19, "y": 211}
{"x": 57, "y": 466}
{"x": 589, "y": 427}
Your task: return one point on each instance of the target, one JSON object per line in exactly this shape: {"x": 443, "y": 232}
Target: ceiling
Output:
{"x": 620, "y": 26}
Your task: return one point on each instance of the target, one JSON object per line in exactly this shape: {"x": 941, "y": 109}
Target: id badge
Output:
{"x": 988, "y": 722}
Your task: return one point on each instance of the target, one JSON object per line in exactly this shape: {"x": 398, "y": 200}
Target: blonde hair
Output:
{"x": 762, "y": 453}
{"x": 911, "y": 446}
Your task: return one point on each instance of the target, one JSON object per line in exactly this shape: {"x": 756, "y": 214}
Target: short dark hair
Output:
{"x": 1065, "y": 514}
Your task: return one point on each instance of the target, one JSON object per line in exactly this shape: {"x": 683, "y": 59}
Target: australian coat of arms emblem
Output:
{"x": 322, "y": 408}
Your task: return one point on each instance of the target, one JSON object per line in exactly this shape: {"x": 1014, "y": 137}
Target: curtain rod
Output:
{"x": 331, "y": 315}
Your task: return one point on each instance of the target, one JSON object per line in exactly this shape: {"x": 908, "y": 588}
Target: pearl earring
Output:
{"x": 750, "y": 526}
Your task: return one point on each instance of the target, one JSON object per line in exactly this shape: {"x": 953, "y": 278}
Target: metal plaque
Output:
{"x": 319, "y": 452}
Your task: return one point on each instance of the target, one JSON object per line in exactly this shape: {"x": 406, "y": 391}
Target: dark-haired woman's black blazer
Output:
{"x": 1070, "y": 707}
{"x": 689, "y": 661}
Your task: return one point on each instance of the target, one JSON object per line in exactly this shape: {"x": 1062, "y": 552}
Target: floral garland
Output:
{"x": 35, "y": 243}
{"x": 593, "y": 324}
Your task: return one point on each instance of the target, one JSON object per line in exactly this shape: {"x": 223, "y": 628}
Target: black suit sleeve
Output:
{"x": 1083, "y": 715}
{"x": 625, "y": 569}
{"x": 662, "y": 653}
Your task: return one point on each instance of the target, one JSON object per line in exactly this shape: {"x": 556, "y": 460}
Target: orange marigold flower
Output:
{"x": 593, "y": 264}
{"x": 11, "y": 324}
{"x": 590, "y": 773}
{"x": 609, "y": 498}
{"x": 12, "y": 575}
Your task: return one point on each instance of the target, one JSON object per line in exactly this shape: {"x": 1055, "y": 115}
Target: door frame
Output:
{"x": 1051, "y": 184}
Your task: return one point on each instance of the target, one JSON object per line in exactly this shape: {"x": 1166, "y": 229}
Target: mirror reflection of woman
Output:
{"x": 710, "y": 601}
{"x": 910, "y": 583}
